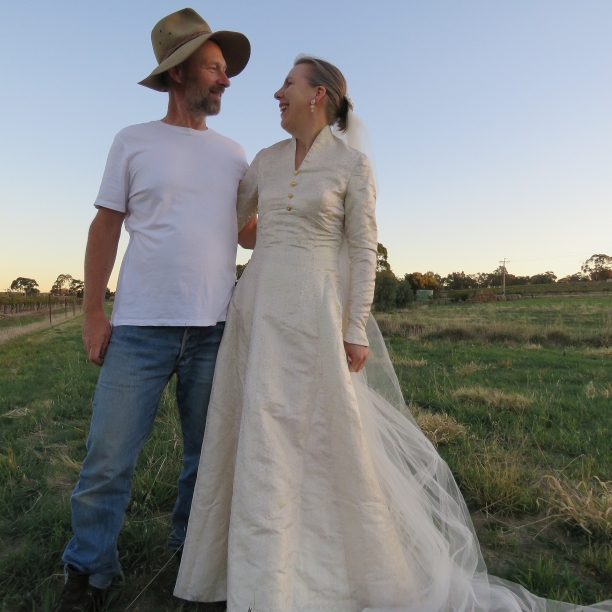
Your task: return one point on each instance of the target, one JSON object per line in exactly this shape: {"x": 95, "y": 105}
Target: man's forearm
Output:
{"x": 100, "y": 257}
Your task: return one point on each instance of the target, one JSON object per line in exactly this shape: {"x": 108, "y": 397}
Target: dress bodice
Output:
{"x": 331, "y": 196}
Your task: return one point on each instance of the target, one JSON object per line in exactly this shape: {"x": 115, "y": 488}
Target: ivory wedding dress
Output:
{"x": 316, "y": 490}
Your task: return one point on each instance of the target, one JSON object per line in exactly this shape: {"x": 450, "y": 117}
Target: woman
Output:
{"x": 314, "y": 491}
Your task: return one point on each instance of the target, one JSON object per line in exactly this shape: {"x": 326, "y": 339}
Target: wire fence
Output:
{"x": 44, "y": 305}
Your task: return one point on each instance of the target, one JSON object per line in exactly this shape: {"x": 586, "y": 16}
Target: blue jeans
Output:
{"x": 138, "y": 365}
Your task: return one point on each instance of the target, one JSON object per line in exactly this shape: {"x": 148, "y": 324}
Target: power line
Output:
{"x": 503, "y": 263}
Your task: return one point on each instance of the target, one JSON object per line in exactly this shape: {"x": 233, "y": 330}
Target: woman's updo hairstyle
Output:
{"x": 324, "y": 74}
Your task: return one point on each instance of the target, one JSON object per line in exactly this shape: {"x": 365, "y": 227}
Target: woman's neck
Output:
{"x": 304, "y": 140}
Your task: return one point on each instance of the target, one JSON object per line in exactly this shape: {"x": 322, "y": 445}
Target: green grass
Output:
{"x": 46, "y": 387}
{"x": 509, "y": 402}
{"x": 530, "y": 383}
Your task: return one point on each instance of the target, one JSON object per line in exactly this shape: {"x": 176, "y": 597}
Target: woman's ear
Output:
{"x": 320, "y": 93}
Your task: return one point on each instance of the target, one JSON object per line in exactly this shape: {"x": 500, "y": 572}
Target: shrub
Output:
{"x": 385, "y": 291}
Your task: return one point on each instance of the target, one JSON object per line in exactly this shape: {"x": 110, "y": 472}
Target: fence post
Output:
{"x": 65, "y": 307}
{"x": 50, "y": 321}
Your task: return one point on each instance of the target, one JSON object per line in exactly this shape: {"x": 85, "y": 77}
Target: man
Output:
{"x": 174, "y": 183}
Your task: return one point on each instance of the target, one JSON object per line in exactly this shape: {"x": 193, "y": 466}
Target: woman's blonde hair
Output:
{"x": 324, "y": 74}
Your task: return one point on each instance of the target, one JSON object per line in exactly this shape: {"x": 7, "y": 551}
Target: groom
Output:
{"x": 174, "y": 183}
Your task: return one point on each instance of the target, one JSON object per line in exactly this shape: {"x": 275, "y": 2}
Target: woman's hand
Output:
{"x": 356, "y": 356}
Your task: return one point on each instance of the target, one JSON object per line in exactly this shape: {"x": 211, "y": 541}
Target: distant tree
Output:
{"x": 597, "y": 267}
{"x": 61, "y": 284}
{"x": 25, "y": 285}
{"x": 385, "y": 291}
{"x": 495, "y": 278}
{"x": 76, "y": 287}
{"x": 108, "y": 294}
{"x": 517, "y": 280}
{"x": 545, "y": 278}
{"x": 574, "y": 278}
{"x": 404, "y": 294}
{"x": 381, "y": 259}
{"x": 459, "y": 280}
{"x": 423, "y": 281}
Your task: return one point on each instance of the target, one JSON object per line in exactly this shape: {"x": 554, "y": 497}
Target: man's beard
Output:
{"x": 201, "y": 102}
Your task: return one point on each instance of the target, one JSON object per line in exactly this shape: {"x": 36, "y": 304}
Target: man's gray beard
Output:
{"x": 199, "y": 104}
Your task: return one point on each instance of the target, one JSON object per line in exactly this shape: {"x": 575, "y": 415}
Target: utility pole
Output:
{"x": 503, "y": 263}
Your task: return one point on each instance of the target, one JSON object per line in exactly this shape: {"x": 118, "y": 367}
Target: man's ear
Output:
{"x": 175, "y": 73}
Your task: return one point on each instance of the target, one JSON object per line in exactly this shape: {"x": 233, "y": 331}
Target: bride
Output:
{"x": 316, "y": 489}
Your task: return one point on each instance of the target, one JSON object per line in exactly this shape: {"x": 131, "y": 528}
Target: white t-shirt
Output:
{"x": 178, "y": 187}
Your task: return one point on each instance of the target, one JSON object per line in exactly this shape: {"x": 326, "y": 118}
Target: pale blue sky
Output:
{"x": 490, "y": 120}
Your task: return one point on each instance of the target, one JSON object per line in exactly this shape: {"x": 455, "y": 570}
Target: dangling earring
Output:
{"x": 312, "y": 103}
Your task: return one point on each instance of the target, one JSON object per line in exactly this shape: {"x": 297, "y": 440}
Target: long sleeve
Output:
{"x": 362, "y": 237}
{"x": 248, "y": 194}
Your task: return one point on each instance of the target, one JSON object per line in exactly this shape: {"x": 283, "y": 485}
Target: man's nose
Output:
{"x": 224, "y": 80}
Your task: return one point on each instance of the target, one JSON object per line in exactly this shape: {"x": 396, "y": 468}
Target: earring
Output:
{"x": 312, "y": 103}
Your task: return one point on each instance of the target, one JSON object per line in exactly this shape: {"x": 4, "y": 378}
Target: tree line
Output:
{"x": 393, "y": 292}
{"x": 390, "y": 291}
{"x": 65, "y": 284}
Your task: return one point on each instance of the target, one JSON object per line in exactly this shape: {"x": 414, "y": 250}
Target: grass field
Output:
{"x": 517, "y": 396}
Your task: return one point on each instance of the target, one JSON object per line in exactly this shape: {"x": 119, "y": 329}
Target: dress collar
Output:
{"x": 324, "y": 137}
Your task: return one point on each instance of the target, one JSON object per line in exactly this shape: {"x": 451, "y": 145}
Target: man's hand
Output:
{"x": 99, "y": 259}
{"x": 356, "y": 356}
{"x": 96, "y": 336}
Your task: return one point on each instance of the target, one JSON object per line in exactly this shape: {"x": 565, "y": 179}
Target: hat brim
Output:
{"x": 235, "y": 47}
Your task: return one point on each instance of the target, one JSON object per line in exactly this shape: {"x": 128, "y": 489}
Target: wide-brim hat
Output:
{"x": 180, "y": 34}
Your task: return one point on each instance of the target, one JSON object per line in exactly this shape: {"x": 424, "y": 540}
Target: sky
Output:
{"x": 490, "y": 121}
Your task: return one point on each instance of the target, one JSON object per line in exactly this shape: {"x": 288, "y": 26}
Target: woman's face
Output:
{"x": 294, "y": 99}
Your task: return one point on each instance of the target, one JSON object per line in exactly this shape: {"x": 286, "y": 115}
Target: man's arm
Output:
{"x": 247, "y": 236}
{"x": 100, "y": 257}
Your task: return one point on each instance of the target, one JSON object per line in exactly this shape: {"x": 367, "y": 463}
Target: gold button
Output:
{"x": 293, "y": 183}
{"x": 288, "y": 207}
{"x": 295, "y": 172}
{"x": 290, "y": 195}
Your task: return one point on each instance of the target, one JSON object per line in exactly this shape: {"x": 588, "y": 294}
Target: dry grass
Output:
{"x": 600, "y": 352}
{"x": 494, "y": 479}
{"x": 532, "y": 346}
{"x": 409, "y": 363}
{"x": 587, "y": 504}
{"x": 16, "y": 413}
{"x": 469, "y": 368}
{"x": 513, "y": 402}
{"x": 592, "y": 390}
{"x": 440, "y": 428}
{"x": 546, "y": 323}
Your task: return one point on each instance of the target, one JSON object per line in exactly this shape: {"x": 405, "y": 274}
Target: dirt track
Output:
{"x": 8, "y": 333}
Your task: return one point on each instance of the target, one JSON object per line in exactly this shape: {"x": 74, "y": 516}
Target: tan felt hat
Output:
{"x": 180, "y": 34}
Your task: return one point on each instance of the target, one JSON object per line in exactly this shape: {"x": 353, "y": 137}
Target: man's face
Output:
{"x": 205, "y": 80}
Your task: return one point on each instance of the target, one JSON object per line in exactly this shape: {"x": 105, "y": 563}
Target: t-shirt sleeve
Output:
{"x": 115, "y": 186}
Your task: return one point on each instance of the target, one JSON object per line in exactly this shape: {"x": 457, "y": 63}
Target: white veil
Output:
{"x": 430, "y": 515}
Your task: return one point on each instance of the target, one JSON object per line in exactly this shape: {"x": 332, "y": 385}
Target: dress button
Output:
{"x": 293, "y": 183}
{"x": 288, "y": 207}
{"x": 295, "y": 172}
{"x": 290, "y": 195}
